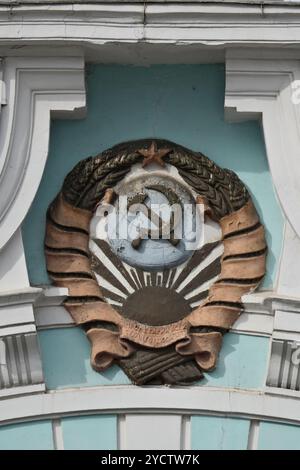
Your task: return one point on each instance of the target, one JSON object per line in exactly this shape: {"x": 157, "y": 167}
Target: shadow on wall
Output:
{"x": 241, "y": 364}
{"x": 66, "y": 361}
{"x": 183, "y": 103}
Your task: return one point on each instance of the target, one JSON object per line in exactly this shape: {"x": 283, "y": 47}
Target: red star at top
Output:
{"x": 153, "y": 154}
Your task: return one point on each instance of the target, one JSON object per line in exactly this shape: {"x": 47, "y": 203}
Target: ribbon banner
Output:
{"x": 150, "y": 302}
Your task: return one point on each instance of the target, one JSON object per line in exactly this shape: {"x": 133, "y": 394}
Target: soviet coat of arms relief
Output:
{"x": 157, "y": 245}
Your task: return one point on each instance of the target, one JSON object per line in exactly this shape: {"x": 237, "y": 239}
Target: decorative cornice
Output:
{"x": 214, "y": 24}
{"x": 16, "y": 310}
{"x": 22, "y": 390}
{"x": 187, "y": 2}
{"x": 23, "y": 296}
{"x": 20, "y": 363}
{"x": 186, "y": 400}
{"x": 268, "y": 301}
{"x": 51, "y": 296}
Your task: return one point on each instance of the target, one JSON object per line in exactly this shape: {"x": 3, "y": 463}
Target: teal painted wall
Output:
{"x": 242, "y": 362}
{"x": 217, "y": 433}
{"x": 276, "y": 436}
{"x": 183, "y": 103}
{"x": 66, "y": 361}
{"x": 27, "y": 436}
{"x": 90, "y": 432}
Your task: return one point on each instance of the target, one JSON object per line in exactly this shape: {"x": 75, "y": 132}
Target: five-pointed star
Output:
{"x": 153, "y": 154}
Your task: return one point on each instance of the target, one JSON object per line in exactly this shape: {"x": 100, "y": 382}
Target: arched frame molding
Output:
{"x": 264, "y": 88}
{"x": 35, "y": 89}
{"x": 249, "y": 404}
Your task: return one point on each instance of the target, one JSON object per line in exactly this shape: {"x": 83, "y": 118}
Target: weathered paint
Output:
{"x": 218, "y": 433}
{"x": 66, "y": 361}
{"x": 242, "y": 362}
{"x": 90, "y": 432}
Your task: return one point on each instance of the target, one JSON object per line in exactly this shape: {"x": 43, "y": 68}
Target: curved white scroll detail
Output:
{"x": 36, "y": 88}
{"x": 262, "y": 87}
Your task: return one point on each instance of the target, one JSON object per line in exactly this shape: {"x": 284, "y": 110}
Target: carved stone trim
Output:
{"x": 35, "y": 87}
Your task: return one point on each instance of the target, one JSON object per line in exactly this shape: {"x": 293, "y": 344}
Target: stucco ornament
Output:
{"x": 158, "y": 299}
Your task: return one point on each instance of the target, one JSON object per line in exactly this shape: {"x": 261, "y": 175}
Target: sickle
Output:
{"x": 172, "y": 198}
{"x": 140, "y": 199}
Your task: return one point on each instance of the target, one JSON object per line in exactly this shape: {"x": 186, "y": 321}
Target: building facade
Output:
{"x": 217, "y": 77}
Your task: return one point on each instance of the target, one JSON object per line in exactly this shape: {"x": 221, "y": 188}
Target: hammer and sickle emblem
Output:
{"x": 164, "y": 227}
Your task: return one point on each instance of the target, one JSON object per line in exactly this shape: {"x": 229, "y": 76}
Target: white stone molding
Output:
{"x": 21, "y": 296}
{"x": 282, "y": 373}
{"x": 253, "y": 404}
{"x": 16, "y": 308}
{"x": 253, "y": 436}
{"x": 49, "y": 311}
{"x": 140, "y": 432}
{"x": 57, "y": 432}
{"x": 288, "y": 278}
{"x": 264, "y": 87}
{"x": 267, "y": 88}
{"x": 22, "y": 390}
{"x": 215, "y": 25}
{"x": 21, "y": 365}
{"x": 2, "y": 87}
{"x": 36, "y": 88}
